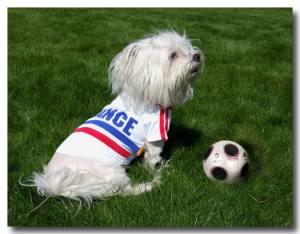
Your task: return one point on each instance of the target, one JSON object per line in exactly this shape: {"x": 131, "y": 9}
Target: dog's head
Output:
{"x": 157, "y": 70}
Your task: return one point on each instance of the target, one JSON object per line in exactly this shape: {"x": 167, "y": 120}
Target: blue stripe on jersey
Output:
{"x": 115, "y": 133}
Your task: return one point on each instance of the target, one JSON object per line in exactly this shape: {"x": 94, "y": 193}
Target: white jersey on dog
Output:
{"x": 118, "y": 132}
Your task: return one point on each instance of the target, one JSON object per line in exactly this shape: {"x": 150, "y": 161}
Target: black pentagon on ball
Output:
{"x": 219, "y": 173}
{"x": 244, "y": 170}
{"x": 231, "y": 150}
{"x": 208, "y": 152}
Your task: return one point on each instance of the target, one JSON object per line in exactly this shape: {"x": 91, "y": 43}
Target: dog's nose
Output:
{"x": 196, "y": 57}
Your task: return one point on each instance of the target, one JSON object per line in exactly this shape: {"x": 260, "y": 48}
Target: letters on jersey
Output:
{"x": 119, "y": 131}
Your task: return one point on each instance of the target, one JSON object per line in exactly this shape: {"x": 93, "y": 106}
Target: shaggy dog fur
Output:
{"x": 158, "y": 70}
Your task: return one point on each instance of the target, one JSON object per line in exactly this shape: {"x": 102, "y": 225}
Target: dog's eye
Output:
{"x": 173, "y": 55}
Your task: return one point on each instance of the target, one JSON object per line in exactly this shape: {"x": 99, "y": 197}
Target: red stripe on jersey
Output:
{"x": 162, "y": 121}
{"x": 106, "y": 140}
{"x": 167, "y": 120}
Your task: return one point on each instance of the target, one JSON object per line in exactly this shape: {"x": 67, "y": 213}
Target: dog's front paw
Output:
{"x": 164, "y": 163}
{"x": 157, "y": 163}
{"x": 153, "y": 162}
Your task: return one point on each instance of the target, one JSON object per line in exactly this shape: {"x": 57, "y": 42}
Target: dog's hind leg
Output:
{"x": 80, "y": 178}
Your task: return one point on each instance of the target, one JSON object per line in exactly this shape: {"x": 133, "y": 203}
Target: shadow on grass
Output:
{"x": 253, "y": 153}
{"x": 180, "y": 137}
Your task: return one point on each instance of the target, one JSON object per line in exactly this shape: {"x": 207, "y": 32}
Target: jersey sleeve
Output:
{"x": 159, "y": 125}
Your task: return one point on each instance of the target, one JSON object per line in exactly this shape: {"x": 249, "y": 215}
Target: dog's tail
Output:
{"x": 86, "y": 185}
{"x": 82, "y": 184}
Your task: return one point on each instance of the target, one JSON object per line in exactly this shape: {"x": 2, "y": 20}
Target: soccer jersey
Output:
{"x": 118, "y": 132}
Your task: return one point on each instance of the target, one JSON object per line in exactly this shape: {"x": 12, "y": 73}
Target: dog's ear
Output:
{"x": 121, "y": 66}
{"x": 133, "y": 51}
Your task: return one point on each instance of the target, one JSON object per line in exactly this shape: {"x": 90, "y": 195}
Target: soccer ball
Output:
{"x": 226, "y": 162}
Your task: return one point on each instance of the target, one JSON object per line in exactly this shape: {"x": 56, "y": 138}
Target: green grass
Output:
{"x": 58, "y": 60}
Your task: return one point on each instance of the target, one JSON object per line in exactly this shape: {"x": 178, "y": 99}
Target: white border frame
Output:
{"x": 5, "y": 4}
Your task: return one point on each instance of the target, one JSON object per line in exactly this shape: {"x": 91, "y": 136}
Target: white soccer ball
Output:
{"x": 226, "y": 162}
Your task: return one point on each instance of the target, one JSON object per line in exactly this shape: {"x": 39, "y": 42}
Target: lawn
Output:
{"x": 57, "y": 78}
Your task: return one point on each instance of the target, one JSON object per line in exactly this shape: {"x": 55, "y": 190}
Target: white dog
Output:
{"x": 149, "y": 77}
